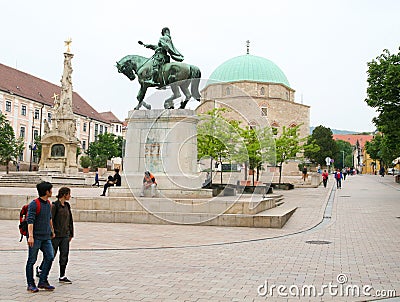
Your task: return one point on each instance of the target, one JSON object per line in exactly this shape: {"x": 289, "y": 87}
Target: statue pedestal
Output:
{"x": 163, "y": 142}
{"x": 58, "y": 154}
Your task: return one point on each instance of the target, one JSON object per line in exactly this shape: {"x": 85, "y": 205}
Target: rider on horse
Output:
{"x": 163, "y": 50}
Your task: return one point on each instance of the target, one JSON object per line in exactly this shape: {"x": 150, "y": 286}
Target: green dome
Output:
{"x": 250, "y": 68}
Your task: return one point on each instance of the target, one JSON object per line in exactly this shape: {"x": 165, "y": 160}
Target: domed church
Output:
{"x": 261, "y": 80}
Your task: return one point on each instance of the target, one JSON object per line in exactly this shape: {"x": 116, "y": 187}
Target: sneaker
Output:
{"x": 102, "y": 195}
{"x": 38, "y": 271}
{"x": 64, "y": 280}
{"x": 32, "y": 288}
{"x": 46, "y": 286}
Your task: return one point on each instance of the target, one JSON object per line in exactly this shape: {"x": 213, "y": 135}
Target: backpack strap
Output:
{"x": 38, "y": 206}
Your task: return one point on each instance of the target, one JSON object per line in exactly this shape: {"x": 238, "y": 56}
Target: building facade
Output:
{"x": 28, "y": 101}
{"x": 258, "y": 94}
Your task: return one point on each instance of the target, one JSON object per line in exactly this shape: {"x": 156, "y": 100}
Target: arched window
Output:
{"x": 57, "y": 150}
{"x": 262, "y": 91}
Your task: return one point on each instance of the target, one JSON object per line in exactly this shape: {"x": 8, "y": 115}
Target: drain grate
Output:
{"x": 318, "y": 242}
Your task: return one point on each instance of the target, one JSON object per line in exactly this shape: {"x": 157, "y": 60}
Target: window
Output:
{"x": 22, "y": 132}
{"x": 262, "y": 91}
{"x": 37, "y": 114}
{"x": 84, "y": 127}
{"x": 96, "y": 131}
{"x": 101, "y": 129}
{"x": 105, "y": 129}
{"x": 264, "y": 111}
{"x": 21, "y": 156}
{"x": 23, "y": 110}
{"x": 49, "y": 117}
{"x": 84, "y": 145}
{"x": 35, "y": 134}
{"x": 8, "y": 106}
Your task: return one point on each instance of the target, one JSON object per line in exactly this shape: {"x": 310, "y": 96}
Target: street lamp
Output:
{"x": 31, "y": 146}
{"x": 343, "y": 159}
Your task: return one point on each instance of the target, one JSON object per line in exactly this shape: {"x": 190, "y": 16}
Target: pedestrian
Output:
{"x": 17, "y": 166}
{"x": 63, "y": 229}
{"x": 40, "y": 233}
{"x": 304, "y": 173}
{"x": 149, "y": 181}
{"x": 111, "y": 181}
{"x": 382, "y": 171}
{"x": 319, "y": 171}
{"x": 344, "y": 172}
{"x": 338, "y": 177}
{"x": 96, "y": 179}
{"x": 325, "y": 176}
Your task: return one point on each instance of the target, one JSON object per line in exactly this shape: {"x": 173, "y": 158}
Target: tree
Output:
{"x": 106, "y": 146}
{"x": 383, "y": 94}
{"x": 257, "y": 147}
{"x": 217, "y": 137}
{"x": 344, "y": 150}
{"x": 379, "y": 149}
{"x": 322, "y": 137}
{"x": 10, "y": 147}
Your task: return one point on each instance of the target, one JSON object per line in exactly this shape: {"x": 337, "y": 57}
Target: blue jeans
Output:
{"x": 48, "y": 256}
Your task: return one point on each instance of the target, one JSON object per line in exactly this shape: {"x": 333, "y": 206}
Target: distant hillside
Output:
{"x": 335, "y": 131}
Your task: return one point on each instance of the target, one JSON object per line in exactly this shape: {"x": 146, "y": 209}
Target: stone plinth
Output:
{"x": 163, "y": 142}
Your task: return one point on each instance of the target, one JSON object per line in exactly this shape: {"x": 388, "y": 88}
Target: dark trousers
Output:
{"x": 325, "y": 181}
{"x": 338, "y": 182}
{"x": 62, "y": 244}
{"x": 106, "y": 187}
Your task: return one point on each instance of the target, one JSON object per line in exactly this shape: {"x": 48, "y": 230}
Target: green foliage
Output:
{"x": 384, "y": 95}
{"x": 322, "y": 137}
{"x": 107, "y": 146}
{"x": 85, "y": 161}
{"x": 226, "y": 140}
{"x": 348, "y": 149}
{"x": 379, "y": 148}
{"x": 288, "y": 145}
{"x": 10, "y": 147}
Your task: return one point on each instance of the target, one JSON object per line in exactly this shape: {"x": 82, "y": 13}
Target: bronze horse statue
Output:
{"x": 176, "y": 75}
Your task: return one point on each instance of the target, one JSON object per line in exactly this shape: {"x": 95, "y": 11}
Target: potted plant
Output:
{"x": 85, "y": 163}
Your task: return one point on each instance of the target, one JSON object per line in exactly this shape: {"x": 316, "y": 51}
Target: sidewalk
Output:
{"x": 127, "y": 262}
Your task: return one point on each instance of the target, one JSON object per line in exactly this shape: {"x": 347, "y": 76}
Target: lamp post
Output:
{"x": 342, "y": 158}
{"x": 31, "y": 146}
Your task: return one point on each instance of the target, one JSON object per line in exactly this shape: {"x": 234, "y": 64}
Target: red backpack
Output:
{"x": 23, "y": 215}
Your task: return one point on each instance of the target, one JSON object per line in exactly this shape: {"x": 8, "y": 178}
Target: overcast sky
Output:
{"x": 322, "y": 46}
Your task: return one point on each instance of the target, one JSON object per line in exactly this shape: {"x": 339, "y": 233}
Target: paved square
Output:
{"x": 132, "y": 262}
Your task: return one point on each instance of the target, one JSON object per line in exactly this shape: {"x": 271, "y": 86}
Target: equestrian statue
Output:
{"x": 158, "y": 71}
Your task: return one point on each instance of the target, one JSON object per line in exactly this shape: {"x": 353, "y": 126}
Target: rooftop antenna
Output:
{"x": 248, "y": 46}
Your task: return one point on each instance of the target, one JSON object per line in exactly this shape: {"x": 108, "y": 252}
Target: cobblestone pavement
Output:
{"x": 130, "y": 262}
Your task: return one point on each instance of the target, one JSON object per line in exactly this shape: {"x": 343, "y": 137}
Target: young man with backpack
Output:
{"x": 64, "y": 231}
{"x": 40, "y": 233}
{"x": 338, "y": 177}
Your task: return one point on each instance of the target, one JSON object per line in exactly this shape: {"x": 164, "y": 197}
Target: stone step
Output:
{"x": 264, "y": 220}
